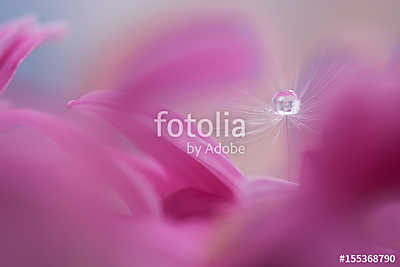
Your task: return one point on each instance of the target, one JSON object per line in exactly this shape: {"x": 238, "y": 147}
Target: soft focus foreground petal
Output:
{"x": 295, "y": 230}
{"x": 49, "y": 220}
{"x": 357, "y": 154}
{"x": 17, "y": 40}
{"x": 293, "y": 233}
{"x": 192, "y": 185}
{"x": 44, "y": 207}
{"x": 155, "y": 243}
{"x": 68, "y": 201}
{"x": 92, "y": 161}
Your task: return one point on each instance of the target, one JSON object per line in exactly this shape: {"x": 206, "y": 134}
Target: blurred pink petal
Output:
{"x": 17, "y": 40}
{"x": 69, "y": 201}
{"x": 360, "y": 142}
{"x": 92, "y": 160}
{"x": 201, "y": 184}
{"x": 195, "y": 56}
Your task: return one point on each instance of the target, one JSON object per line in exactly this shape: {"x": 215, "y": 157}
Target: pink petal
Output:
{"x": 60, "y": 194}
{"x": 197, "y": 56}
{"x": 357, "y": 151}
{"x": 213, "y": 177}
{"x": 17, "y": 40}
{"x": 92, "y": 159}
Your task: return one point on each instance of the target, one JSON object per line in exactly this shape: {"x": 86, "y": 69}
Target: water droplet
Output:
{"x": 286, "y": 102}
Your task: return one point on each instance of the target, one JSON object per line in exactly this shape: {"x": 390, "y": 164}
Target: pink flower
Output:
{"x": 106, "y": 190}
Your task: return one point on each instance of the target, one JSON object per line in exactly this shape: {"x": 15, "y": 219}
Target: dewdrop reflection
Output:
{"x": 286, "y": 102}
